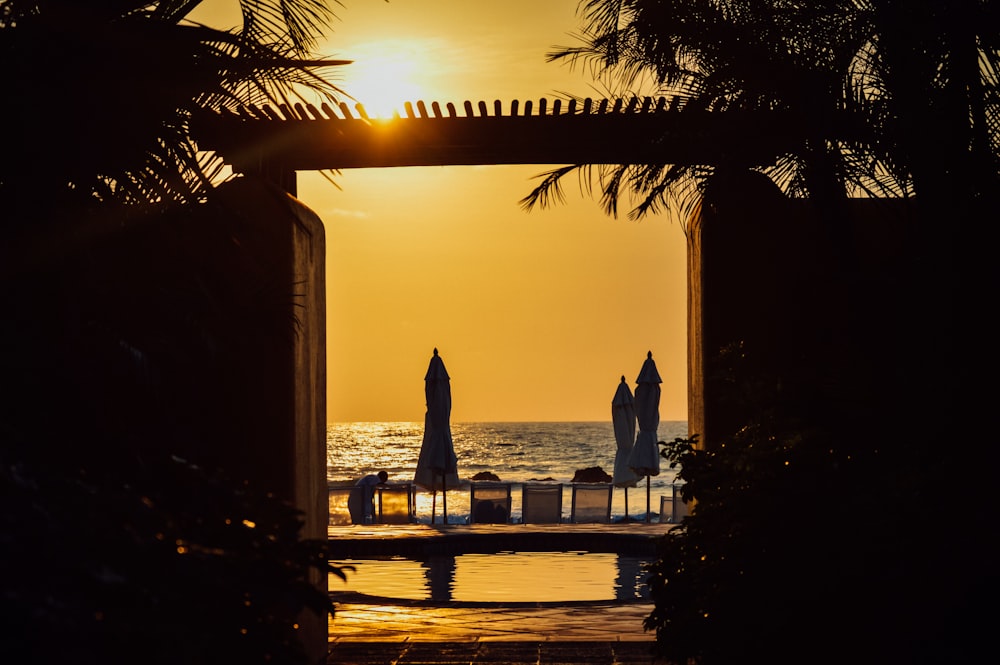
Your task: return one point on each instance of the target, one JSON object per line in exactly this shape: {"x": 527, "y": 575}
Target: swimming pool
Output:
{"x": 503, "y": 577}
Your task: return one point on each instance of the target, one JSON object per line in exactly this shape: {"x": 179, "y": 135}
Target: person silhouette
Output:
{"x": 361, "y": 502}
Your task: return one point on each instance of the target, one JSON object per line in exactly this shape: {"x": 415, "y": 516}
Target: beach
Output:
{"x": 514, "y": 452}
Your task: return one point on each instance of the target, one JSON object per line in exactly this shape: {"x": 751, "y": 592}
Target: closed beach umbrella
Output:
{"x": 623, "y": 420}
{"x": 437, "y": 465}
{"x": 645, "y": 456}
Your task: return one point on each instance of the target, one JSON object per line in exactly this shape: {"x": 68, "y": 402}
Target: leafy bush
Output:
{"x": 810, "y": 544}
{"x": 159, "y": 561}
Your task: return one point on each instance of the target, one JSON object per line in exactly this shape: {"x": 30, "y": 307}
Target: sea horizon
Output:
{"x": 515, "y": 451}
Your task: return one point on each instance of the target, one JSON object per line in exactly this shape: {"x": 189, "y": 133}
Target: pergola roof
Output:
{"x": 635, "y": 131}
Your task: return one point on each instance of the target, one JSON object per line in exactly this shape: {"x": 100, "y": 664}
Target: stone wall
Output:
{"x": 822, "y": 302}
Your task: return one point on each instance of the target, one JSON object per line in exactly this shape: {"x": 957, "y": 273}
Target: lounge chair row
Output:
{"x": 541, "y": 503}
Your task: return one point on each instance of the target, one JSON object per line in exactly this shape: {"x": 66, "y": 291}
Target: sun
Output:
{"x": 384, "y": 76}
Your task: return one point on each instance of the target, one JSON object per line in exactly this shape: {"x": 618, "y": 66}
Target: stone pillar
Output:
{"x": 289, "y": 455}
{"x": 738, "y": 247}
{"x": 822, "y": 308}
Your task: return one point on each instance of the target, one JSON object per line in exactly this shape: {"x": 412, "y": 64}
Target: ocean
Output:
{"x": 515, "y": 452}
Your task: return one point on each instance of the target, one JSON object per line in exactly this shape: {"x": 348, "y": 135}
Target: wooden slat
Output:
{"x": 518, "y": 108}
{"x": 314, "y": 112}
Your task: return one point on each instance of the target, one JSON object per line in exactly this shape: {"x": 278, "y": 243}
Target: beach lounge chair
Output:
{"x": 541, "y": 503}
{"x": 591, "y": 503}
{"x": 679, "y": 509}
{"x": 394, "y": 503}
{"x": 489, "y": 502}
{"x": 666, "y": 509}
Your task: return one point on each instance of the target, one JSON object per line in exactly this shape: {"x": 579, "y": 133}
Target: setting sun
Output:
{"x": 385, "y": 75}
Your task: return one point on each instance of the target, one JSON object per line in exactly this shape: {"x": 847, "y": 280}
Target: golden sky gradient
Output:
{"x": 536, "y": 315}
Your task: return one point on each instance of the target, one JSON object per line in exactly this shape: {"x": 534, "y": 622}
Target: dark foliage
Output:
{"x": 106, "y": 91}
{"x": 884, "y": 98}
{"x": 813, "y": 542}
{"x": 157, "y": 560}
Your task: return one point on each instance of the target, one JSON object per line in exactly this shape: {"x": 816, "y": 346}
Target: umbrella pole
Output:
{"x": 647, "y": 498}
{"x": 626, "y": 503}
{"x": 434, "y": 498}
{"x": 444, "y": 500}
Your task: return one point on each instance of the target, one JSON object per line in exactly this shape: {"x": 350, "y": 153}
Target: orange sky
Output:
{"x": 536, "y": 315}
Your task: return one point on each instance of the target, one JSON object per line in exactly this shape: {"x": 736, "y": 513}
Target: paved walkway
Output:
{"x": 367, "y": 630}
{"x": 494, "y": 653}
{"x": 593, "y": 633}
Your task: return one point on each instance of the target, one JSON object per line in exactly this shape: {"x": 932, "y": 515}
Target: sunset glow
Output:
{"x": 385, "y": 75}
{"x": 537, "y": 315}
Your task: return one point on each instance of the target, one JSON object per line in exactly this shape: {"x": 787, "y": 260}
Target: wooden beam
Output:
{"x": 636, "y": 135}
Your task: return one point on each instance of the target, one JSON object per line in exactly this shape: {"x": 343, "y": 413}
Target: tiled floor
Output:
{"x": 494, "y": 653}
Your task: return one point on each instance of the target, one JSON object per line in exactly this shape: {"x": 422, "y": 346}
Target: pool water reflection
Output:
{"x": 505, "y": 577}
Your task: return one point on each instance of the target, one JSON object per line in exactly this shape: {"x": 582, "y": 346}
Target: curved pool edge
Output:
{"x": 357, "y": 598}
{"x": 416, "y": 540}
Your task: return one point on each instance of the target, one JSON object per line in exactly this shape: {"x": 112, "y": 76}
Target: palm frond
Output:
{"x": 295, "y": 23}
{"x": 549, "y": 191}
{"x": 611, "y": 178}
{"x": 330, "y": 175}
{"x": 679, "y": 187}
{"x": 142, "y": 71}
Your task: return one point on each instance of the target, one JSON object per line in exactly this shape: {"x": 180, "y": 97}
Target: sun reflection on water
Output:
{"x": 498, "y": 578}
